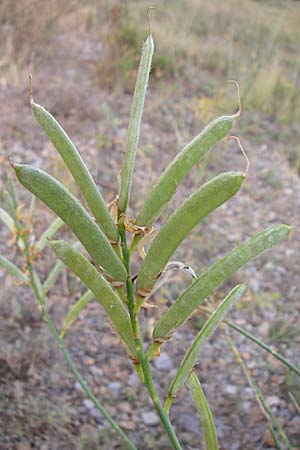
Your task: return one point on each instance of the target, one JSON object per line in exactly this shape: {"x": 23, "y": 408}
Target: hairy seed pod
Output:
{"x": 201, "y": 288}
{"x": 109, "y": 300}
{"x": 66, "y": 206}
{"x": 204, "y": 334}
{"x": 205, "y": 200}
{"x": 173, "y": 175}
{"x": 135, "y": 122}
{"x": 78, "y": 169}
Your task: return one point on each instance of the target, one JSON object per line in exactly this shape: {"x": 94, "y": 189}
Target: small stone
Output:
{"x": 78, "y": 386}
{"x": 128, "y": 425}
{"x": 97, "y": 415}
{"x": 133, "y": 379}
{"x": 273, "y": 400}
{"x": 88, "y": 403}
{"x": 116, "y": 388}
{"x": 150, "y": 418}
{"x": 188, "y": 422}
{"x": 268, "y": 438}
{"x": 230, "y": 389}
{"x": 89, "y": 361}
{"x": 164, "y": 362}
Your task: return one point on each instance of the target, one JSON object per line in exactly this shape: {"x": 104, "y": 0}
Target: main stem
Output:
{"x": 140, "y": 349}
{"x": 41, "y": 299}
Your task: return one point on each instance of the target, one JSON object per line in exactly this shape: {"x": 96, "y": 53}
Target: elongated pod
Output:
{"x": 204, "y": 334}
{"x": 173, "y": 175}
{"x": 78, "y": 169}
{"x": 102, "y": 290}
{"x": 67, "y": 207}
{"x": 208, "y": 197}
{"x": 198, "y": 291}
{"x": 204, "y": 411}
{"x": 135, "y": 122}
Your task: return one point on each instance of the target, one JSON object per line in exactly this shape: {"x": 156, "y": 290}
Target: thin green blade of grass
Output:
{"x": 203, "y": 336}
{"x": 260, "y": 398}
{"x": 75, "y": 310}
{"x": 219, "y": 272}
{"x": 7, "y": 220}
{"x": 135, "y": 122}
{"x": 264, "y": 346}
{"x": 12, "y": 191}
{"x": 274, "y": 436}
{"x": 49, "y": 234}
{"x": 204, "y": 411}
{"x": 13, "y": 269}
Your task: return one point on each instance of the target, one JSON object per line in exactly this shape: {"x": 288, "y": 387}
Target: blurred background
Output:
{"x": 84, "y": 55}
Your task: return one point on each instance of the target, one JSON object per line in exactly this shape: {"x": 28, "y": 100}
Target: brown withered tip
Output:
{"x": 248, "y": 164}
{"x": 30, "y": 87}
{"x": 240, "y": 108}
{"x": 11, "y": 162}
{"x": 149, "y": 19}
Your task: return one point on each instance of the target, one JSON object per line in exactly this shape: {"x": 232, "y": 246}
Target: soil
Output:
{"x": 42, "y": 406}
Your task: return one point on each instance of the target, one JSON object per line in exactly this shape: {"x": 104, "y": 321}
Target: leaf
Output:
{"x": 7, "y": 220}
{"x": 135, "y": 122}
{"x": 201, "y": 203}
{"x": 78, "y": 169}
{"x": 219, "y": 272}
{"x": 75, "y": 310}
{"x": 109, "y": 300}
{"x": 206, "y": 417}
{"x": 173, "y": 175}
{"x": 261, "y": 399}
{"x": 48, "y": 234}
{"x": 13, "y": 269}
{"x": 67, "y": 207}
{"x": 205, "y": 333}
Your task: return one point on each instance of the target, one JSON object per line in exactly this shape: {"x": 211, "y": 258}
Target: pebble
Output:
{"x": 116, "y": 388}
{"x": 164, "y": 362}
{"x": 150, "y": 418}
{"x": 133, "y": 379}
{"x": 188, "y": 422}
{"x": 230, "y": 389}
{"x": 88, "y": 403}
{"x": 268, "y": 438}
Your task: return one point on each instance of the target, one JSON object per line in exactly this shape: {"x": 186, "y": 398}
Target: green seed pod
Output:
{"x": 204, "y": 411}
{"x": 66, "y": 206}
{"x": 199, "y": 290}
{"x": 78, "y": 169}
{"x": 111, "y": 303}
{"x": 173, "y": 175}
{"x": 135, "y": 122}
{"x": 208, "y": 197}
{"x": 205, "y": 333}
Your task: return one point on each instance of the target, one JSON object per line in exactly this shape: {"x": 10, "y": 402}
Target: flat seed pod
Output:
{"x": 135, "y": 122}
{"x": 204, "y": 334}
{"x": 205, "y": 200}
{"x": 199, "y": 290}
{"x": 67, "y": 207}
{"x": 102, "y": 290}
{"x": 173, "y": 175}
{"x": 204, "y": 411}
{"x": 78, "y": 169}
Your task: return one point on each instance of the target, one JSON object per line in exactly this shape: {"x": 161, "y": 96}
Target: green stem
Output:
{"x": 127, "y": 442}
{"x": 140, "y": 349}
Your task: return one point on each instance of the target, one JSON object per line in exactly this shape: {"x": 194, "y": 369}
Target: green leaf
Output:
{"x": 261, "y": 399}
{"x": 67, "y": 207}
{"x": 7, "y": 220}
{"x": 12, "y": 269}
{"x": 264, "y": 346}
{"x": 201, "y": 203}
{"x": 206, "y": 417}
{"x": 173, "y": 175}
{"x": 109, "y": 300}
{"x": 135, "y": 122}
{"x": 75, "y": 310}
{"x": 78, "y": 169}
{"x": 205, "y": 333}
{"x": 219, "y": 272}
{"x": 49, "y": 233}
